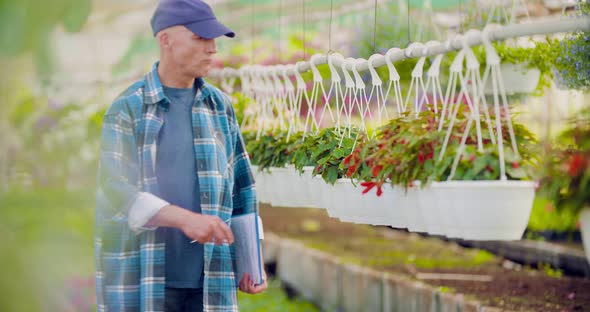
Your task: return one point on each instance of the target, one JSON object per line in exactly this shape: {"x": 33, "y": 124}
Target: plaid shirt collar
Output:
{"x": 154, "y": 91}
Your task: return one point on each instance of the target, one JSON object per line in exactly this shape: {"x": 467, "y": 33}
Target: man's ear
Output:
{"x": 163, "y": 39}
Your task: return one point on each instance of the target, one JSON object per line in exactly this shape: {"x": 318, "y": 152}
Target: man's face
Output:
{"x": 191, "y": 54}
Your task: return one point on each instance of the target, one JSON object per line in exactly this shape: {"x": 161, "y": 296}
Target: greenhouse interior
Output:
{"x": 394, "y": 155}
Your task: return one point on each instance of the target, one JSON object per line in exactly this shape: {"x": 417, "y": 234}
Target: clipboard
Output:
{"x": 247, "y": 246}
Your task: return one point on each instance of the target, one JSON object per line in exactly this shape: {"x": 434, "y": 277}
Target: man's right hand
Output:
{"x": 205, "y": 229}
{"x": 199, "y": 227}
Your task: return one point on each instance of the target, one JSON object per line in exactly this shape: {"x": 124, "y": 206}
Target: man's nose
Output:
{"x": 211, "y": 46}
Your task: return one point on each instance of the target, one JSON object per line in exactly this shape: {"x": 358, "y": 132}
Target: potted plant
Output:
{"x": 525, "y": 69}
{"x": 567, "y": 177}
{"x": 331, "y": 188}
{"x": 405, "y": 154}
{"x": 400, "y": 158}
{"x": 571, "y": 64}
{"x": 269, "y": 153}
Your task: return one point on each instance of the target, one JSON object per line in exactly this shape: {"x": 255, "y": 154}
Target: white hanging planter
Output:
{"x": 428, "y": 206}
{"x": 517, "y": 79}
{"x": 301, "y": 191}
{"x": 585, "y": 229}
{"x": 376, "y": 210}
{"x": 346, "y": 200}
{"x": 260, "y": 178}
{"x": 414, "y": 216}
{"x": 279, "y": 186}
{"x": 491, "y": 210}
{"x": 321, "y": 194}
{"x": 397, "y": 212}
{"x": 449, "y": 224}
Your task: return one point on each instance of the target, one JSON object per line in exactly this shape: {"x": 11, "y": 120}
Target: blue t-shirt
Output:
{"x": 179, "y": 185}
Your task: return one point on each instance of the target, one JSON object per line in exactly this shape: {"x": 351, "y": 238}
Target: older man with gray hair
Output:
{"x": 173, "y": 171}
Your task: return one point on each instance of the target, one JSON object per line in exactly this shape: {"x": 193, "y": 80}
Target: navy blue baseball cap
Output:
{"x": 195, "y": 15}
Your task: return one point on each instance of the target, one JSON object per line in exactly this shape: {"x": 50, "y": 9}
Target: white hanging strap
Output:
{"x": 279, "y": 95}
{"x": 259, "y": 99}
{"x": 317, "y": 87}
{"x": 329, "y": 96}
{"x": 453, "y": 103}
{"x": 349, "y": 94}
{"x": 394, "y": 79}
{"x": 474, "y": 77}
{"x": 417, "y": 82}
{"x": 268, "y": 92}
{"x": 455, "y": 72}
{"x": 301, "y": 93}
{"x": 290, "y": 101}
{"x": 377, "y": 89}
{"x": 227, "y": 81}
{"x": 497, "y": 74}
{"x": 433, "y": 79}
{"x": 461, "y": 148}
{"x": 361, "y": 95}
{"x": 246, "y": 90}
{"x": 336, "y": 85}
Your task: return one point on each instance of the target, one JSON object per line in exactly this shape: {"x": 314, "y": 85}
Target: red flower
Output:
{"x": 515, "y": 165}
{"x": 379, "y": 190}
{"x": 376, "y": 170}
{"x": 350, "y": 171}
{"x": 577, "y": 165}
{"x": 430, "y": 155}
{"x": 489, "y": 168}
{"x": 346, "y": 160}
{"x": 421, "y": 158}
{"x": 318, "y": 168}
{"x": 368, "y": 186}
{"x": 472, "y": 158}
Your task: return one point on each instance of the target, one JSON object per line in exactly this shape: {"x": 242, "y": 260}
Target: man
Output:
{"x": 173, "y": 170}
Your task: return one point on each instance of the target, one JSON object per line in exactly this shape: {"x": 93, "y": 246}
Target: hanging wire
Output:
{"x": 408, "y": 20}
{"x": 330, "y": 29}
{"x": 252, "y": 34}
{"x": 375, "y": 29}
{"x": 461, "y": 16}
{"x": 303, "y": 39}
{"x": 279, "y": 29}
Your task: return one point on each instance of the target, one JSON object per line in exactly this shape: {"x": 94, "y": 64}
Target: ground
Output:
{"x": 511, "y": 287}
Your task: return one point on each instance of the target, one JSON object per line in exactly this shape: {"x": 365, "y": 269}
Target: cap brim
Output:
{"x": 210, "y": 29}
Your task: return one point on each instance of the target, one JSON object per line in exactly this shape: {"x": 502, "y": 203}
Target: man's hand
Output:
{"x": 247, "y": 285}
{"x": 205, "y": 229}
{"x": 199, "y": 227}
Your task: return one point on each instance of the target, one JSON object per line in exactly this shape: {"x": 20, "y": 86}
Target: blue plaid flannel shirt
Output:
{"x": 130, "y": 259}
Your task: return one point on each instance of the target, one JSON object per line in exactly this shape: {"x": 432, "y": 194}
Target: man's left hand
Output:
{"x": 247, "y": 285}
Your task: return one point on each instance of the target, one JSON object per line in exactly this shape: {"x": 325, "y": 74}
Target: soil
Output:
{"x": 512, "y": 287}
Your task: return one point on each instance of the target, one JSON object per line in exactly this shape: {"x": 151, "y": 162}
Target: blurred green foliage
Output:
{"x": 57, "y": 142}
{"x": 26, "y": 26}
{"x": 46, "y": 250}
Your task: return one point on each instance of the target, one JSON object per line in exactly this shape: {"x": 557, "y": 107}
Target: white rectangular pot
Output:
{"x": 414, "y": 215}
{"x": 397, "y": 214}
{"x": 301, "y": 192}
{"x": 279, "y": 186}
{"x": 428, "y": 207}
{"x": 449, "y": 218}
